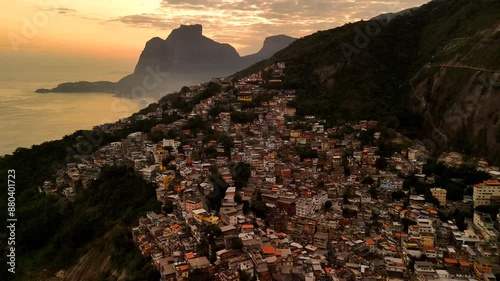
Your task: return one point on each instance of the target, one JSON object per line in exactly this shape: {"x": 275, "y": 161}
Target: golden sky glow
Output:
{"x": 118, "y": 29}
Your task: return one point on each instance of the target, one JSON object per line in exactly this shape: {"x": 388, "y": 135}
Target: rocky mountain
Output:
{"x": 432, "y": 72}
{"x": 271, "y": 45}
{"x": 187, "y": 52}
{"x": 185, "y": 57}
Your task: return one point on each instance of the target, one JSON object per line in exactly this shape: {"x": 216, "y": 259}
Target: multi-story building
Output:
{"x": 440, "y": 195}
{"x": 481, "y": 266}
{"x": 228, "y": 215}
{"x": 321, "y": 240}
{"x": 307, "y": 206}
{"x": 193, "y": 205}
{"x": 486, "y": 193}
{"x": 425, "y": 226}
{"x": 486, "y": 226}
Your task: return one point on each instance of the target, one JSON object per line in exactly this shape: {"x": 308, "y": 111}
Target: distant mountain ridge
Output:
{"x": 185, "y": 57}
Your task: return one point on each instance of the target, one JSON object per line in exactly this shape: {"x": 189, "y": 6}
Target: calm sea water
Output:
{"x": 27, "y": 118}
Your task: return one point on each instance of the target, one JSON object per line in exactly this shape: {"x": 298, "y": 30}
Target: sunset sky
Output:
{"x": 69, "y": 33}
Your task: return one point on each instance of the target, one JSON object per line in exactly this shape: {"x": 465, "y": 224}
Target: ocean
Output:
{"x": 28, "y": 118}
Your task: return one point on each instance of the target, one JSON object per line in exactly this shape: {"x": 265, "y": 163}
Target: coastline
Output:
{"x": 32, "y": 119}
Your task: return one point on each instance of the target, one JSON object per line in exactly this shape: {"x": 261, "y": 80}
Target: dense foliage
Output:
{"x": 456, "y": 181}
{"x": 54, "y": 232}
{"x": 363, "y": 70}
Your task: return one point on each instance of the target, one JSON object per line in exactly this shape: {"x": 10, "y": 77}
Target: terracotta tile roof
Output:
{"x": 268, "y": 250}
{"x": 452, "y": 261}
{"x": 464, "y": 263}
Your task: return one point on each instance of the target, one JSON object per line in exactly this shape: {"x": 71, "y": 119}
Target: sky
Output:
{"x": 107, "y": 36}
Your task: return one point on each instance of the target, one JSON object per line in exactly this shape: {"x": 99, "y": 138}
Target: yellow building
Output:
{"x": 245, "y": 98}
{"x": 487, "y": 192}
{"x": 159, "y": 155}
{"x": 482, "y": 266}
{"x": 427, "y": 240}
{"x": 202, "y": 216}
{"x": 440, "y": 195}
{"x": 290, "y": 111}
{"x": 167, "y": 177}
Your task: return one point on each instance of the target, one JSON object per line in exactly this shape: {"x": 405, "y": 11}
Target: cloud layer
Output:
{"x": 244, "y": 23}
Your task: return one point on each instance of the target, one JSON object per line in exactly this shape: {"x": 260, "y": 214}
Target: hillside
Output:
{"x": 431, "y": 72}
{"x": 81, "y": 87}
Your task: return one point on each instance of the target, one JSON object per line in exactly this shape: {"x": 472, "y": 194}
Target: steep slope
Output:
{"x": 457, "y": 90}
{"x": 402, "y": 70}
{"x": 271, "y": 45}
{"x": 186, "y": 51}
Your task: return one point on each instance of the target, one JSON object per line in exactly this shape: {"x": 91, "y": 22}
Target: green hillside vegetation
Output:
{"x": 54, "y": 233}
{"x": 340, "y": 80}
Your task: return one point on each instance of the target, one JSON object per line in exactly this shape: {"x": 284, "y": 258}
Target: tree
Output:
{"x": 345, "y": 197}
{"x": 459, "y": 219}
{"x": 150, "y": 273}
{"x": 349, "y": 213}
{"x": 246, "y": 207}
{"x": 491, "y": 209}
{"x": 397, "y": 195}
{"x": 406, "y": 223}
{"x": 411, "y": 264}
{"x": 245, "y": 276}
{"x": 236, "y": 243}
{"x": 212, "y": 232}
{"x": 185, "y": 90}
{"x": 166, "y": 162}
{"x": 373, "y": 192}
{"x": 241, "y": 172}
{"x": 180, "y": 149}
{"x": 156, "y": 136}
{"x": 347, "y": 171}
{"x": 381, "y": 163}
{"x": 237, "y": 198}
{"x": 259, "y": 208}
{"x": 168, "y": 208}
{"x": 375, "y": 216}
{"x": 328, "y": 205}
{"x": 219, "y": 192}
{"x": 198, "y": 275}
{"x": 368, "y": 180}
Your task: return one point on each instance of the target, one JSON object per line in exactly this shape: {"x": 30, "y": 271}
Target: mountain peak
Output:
{"x": 275, "y": 43}
{"x": 188, "y": 31}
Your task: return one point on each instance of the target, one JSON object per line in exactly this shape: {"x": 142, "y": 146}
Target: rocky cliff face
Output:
{"x": 186, "y": 56}
{"x": 186, "y": 51}
{"x": 271, "y": 45}
{"x": 460, "y": 98}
